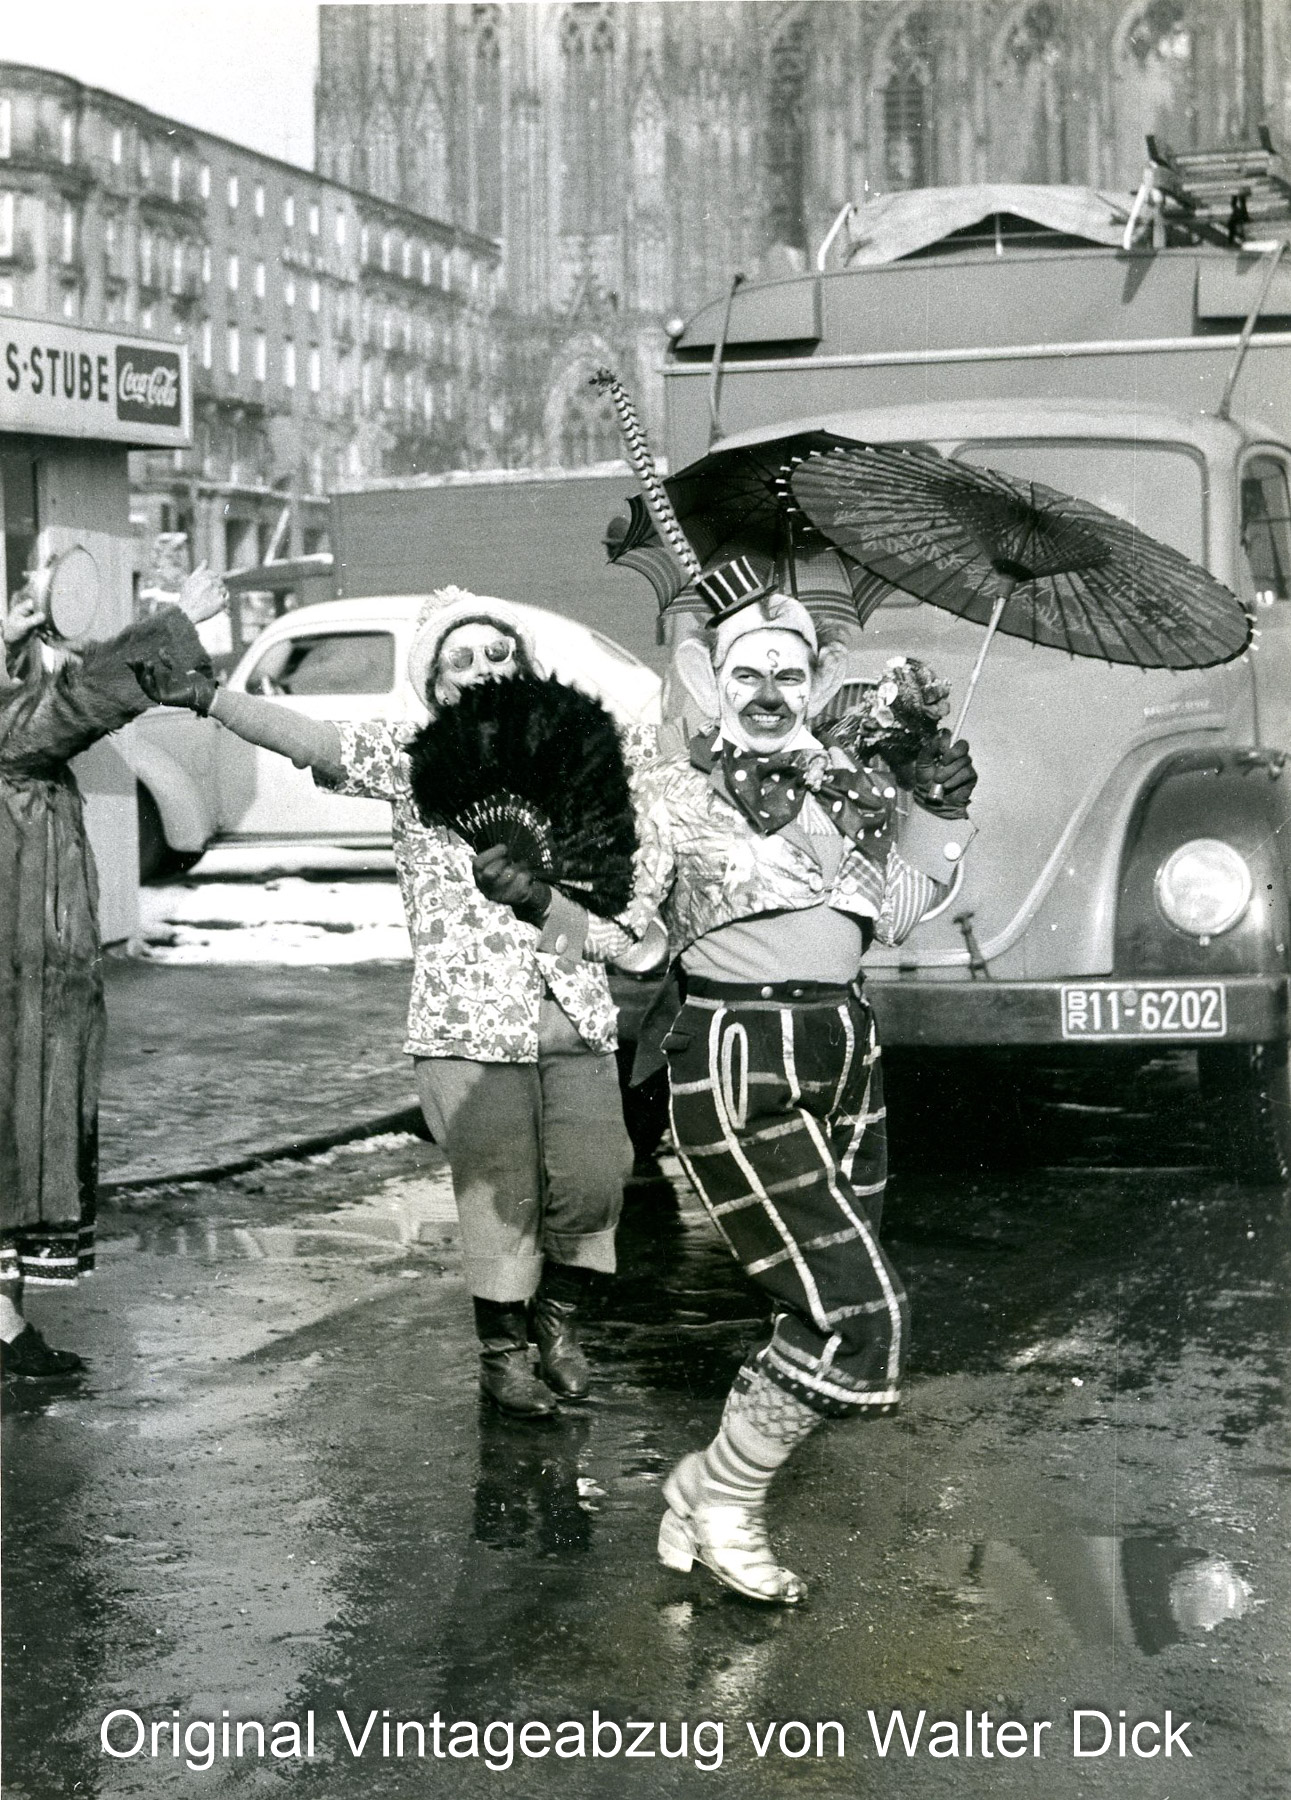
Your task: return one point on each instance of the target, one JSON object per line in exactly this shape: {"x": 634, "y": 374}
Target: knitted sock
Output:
{"x": 761, "y": 1426}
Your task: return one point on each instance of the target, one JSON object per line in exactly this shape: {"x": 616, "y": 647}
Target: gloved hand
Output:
{"x": 511, "y": 884}
{"x": 167, "y": 686}
{"x": 944, "y": 776}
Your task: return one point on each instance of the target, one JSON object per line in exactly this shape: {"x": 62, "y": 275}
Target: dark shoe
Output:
{"x": 564, "y": 1367}
{"x": 508, "y": 1380}
{"x": 506, "y": 1374}
{"x": 29, "y": 1358}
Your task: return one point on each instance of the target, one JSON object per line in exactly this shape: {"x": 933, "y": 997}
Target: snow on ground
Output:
{"x": 242, "y": 906}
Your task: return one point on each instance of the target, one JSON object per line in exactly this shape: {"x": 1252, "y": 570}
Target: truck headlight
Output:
{"x": 1204, "y": 887}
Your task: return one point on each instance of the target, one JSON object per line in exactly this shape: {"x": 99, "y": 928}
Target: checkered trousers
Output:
{"x": 778, "y": 1118}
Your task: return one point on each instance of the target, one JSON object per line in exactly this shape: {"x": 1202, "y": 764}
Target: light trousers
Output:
{"x": 538, "y": 1154}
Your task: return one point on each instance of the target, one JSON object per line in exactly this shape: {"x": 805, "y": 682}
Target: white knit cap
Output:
{"x": 777, "y": 612}
{"x": 442, "y": 612}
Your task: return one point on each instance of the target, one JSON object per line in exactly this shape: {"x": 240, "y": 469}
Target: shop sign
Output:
{"x": 72, "y": 381}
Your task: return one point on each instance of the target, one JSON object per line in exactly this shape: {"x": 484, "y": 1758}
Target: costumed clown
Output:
{"x": 772, "y": 861}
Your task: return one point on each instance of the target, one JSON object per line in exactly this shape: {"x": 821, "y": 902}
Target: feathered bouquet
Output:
{"x": 895, "y": 716}
{"x": 537, "y": 766}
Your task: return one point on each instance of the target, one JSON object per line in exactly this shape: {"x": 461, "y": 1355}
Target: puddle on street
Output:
{"x": 1140, "y": 1587}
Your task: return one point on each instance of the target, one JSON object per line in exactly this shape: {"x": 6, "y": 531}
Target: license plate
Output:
{"x": 1137, "y": 1010}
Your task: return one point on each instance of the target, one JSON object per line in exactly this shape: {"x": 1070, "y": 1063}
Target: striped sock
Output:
{"x": 761, "y": 1427}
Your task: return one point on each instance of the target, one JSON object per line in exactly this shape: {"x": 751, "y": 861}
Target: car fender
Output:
{"x": 187, "y": 806}
{"x": 1242, "y": 796}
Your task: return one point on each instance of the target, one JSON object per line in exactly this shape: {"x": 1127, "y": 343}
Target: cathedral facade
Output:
{"x": 631, "y": 158}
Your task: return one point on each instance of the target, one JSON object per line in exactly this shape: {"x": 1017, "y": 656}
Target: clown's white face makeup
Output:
{"x": 764, "y": 689}
{"x": 470, "y": 654}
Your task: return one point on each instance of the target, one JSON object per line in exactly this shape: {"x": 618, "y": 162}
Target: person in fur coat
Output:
{"x": 55, "y": 701}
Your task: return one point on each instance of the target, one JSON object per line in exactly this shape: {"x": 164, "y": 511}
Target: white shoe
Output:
{"x": 730, "y": 1540}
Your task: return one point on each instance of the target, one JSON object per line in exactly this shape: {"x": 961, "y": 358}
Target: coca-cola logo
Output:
{"x": 148, "y": 386}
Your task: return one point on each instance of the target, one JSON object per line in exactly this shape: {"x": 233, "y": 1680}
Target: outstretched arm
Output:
{"x": 310, "y": 743}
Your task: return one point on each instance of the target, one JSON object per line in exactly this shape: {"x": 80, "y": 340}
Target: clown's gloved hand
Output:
{"x": 166, "y": 685}
{"x": 944, "y": 776}
{"x": 511, "y": 884}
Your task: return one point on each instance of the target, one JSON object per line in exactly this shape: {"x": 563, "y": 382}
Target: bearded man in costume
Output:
{"x": 773, "y": 862}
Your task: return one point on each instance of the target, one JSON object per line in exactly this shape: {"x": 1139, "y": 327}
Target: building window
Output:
{"x": 387, "y": 329}
{"x": 590, "y": 145}
{"x": 6, "y": 224}
{"x": 315, "y": 370}
{"x": 207, "y": 343}
{"x": 233, "y": 193}
{"x": 786, "y": 136}
{"x": 364, "y": 245}
{"x": 289, "y": 211}
{"x": 72, "y": 302}
{"x": 289, "y": 291}
{"x": 407, "y": 259}
{"x": 69, "y": 234}
{"x": 428, "y": 405}
{"x": 145, "y": 258}
{"x": 425, "y": 265}
{"x": 259, "y": 281}
{"x": 258, "y": 200}
{"x": 118, "y": 146}
{"x": 315, "y": 296}
{"x": 177, "y": 268}
{"x": 387, "y": 249}
{"x": 316, "y": 471}
{"x": 387, "y": 391}
{"x": 340, "y": 231}
{"x": 407, "y": 392}
{"x": 289, "y": 364}
{"x": 145, "y": 160}
{"x": 6, "y": 126}
{"x": 204, "y": 181}
{"x": 67, "y": 137}
{"x": 315, "y": 223}
{"x": 176, "y": 178}
{"x": 261, "y": 356}
{"x": 233, "y": 274}
{"x": 365, "y": 387}
{"x": 206, "y": 264}
{"x": 234, "y": 347}
{"x": 909, "y": 122}
{"x": 486, "y": 121}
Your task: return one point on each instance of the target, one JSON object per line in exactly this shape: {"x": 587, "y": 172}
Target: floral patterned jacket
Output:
{"x": 701, "y": 865}
{"x": 478, "y": 972}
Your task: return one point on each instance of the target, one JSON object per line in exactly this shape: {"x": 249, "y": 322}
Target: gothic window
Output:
{"x": 908, "y": 107}
{"x": 590, "y": 150}
{"x": 1034, "y": 146}
{"x": 786, "y": 137}
{"x": 486, "y": 121}
{"x": 1159, "y": 85}
{"x": 589, "y": 432}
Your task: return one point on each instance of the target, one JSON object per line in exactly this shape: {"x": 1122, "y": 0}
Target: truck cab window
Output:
{"x": 1266, "y": 529}
{"x": 351, "y": 662}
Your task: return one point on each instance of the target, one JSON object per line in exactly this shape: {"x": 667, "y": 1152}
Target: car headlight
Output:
{"x": 1204, "y": 887}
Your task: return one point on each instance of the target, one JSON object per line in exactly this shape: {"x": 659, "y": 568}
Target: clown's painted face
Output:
{"x": 764, "y": 689}
{"x": 469, "y": 654}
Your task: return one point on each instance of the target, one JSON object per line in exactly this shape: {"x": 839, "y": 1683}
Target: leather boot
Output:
{"x": 506, "y": 1374}
{"x": 561, "y": 1358}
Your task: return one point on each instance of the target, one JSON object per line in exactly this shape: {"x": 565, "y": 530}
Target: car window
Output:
{"x": 1157, "y": 487}
{"x": 1266, "y": 528}
{"x": 332, "y": 662}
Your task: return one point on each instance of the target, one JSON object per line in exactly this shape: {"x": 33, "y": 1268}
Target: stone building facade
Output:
{"x": 334, "y": 335}
{"x": 631, "y": 158}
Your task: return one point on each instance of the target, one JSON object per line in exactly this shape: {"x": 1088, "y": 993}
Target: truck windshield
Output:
{"x": 1157, "y": 487}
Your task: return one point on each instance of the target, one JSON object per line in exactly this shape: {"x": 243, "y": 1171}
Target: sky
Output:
{"x": 242, "y": 68}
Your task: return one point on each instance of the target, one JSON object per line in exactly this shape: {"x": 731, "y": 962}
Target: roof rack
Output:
{"x": 1217, "y": 194}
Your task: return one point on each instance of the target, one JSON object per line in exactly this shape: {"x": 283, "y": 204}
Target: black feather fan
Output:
{"x": 537, "y": 766}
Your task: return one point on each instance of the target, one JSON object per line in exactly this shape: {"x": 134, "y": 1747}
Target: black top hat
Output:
{"x": 735, "y": 583}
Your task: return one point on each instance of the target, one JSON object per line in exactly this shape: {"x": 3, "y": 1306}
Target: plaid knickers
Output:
{"x": 778, "y": 1118}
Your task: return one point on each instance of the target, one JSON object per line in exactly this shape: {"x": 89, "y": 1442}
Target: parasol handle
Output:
{"x": 937, "y": 792}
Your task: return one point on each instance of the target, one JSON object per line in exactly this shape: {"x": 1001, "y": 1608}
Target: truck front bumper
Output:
{"x": 935, "y": 1014}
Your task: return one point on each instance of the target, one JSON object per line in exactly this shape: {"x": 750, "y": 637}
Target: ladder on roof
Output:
{"x": 1222, "y": 192}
